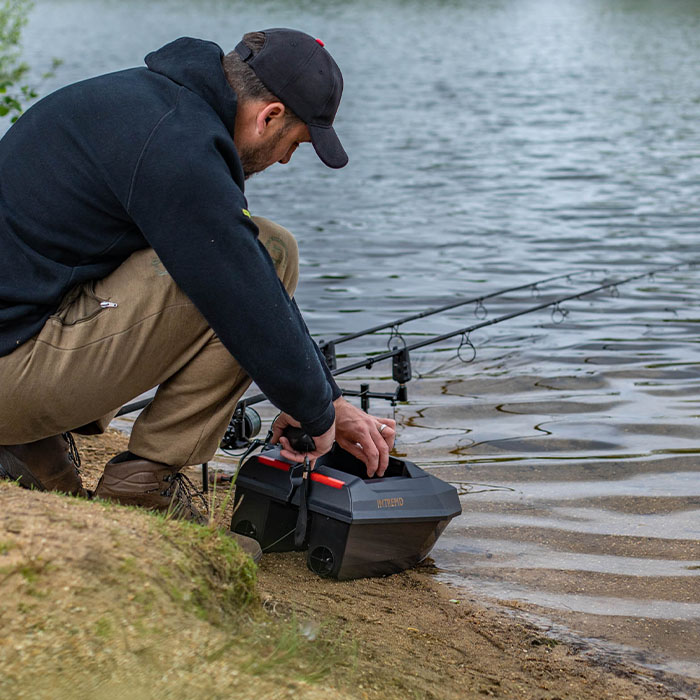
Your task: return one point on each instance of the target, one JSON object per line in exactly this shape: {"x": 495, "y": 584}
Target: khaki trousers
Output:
{"x": 90, "y": 358}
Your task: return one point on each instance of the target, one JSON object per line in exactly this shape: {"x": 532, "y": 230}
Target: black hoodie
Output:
{"x": 145, "y": 158}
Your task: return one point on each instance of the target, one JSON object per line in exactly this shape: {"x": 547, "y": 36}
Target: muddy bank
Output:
{"x": 403, "y": 636}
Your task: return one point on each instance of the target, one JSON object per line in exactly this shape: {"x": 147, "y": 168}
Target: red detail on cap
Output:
{"x": 327, "y": 480}
{"x": 276, "y": 463}
{"x": 318, "y": 41}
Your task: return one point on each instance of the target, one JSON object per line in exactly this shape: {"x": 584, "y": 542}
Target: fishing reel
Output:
{"x": 246, "y": 424}
{"x": 242, "y": 428}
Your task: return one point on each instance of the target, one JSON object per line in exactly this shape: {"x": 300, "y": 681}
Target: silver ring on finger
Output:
{"x": 380, "y": 427}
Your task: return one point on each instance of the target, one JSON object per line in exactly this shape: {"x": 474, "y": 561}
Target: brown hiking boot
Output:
{"x": 134, "y": 481}
{"x": 50, "y": 464}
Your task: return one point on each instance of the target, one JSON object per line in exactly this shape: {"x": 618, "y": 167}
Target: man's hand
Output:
{"x": 368, "y": 438}
{"x": 323, "y": 442}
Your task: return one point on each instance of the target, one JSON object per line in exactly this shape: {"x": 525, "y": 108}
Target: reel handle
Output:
{"x": 298, "y": 439}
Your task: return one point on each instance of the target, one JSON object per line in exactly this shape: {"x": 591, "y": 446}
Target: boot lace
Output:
{"x": 73, "y": 453}
{"x": 186, "y": 493}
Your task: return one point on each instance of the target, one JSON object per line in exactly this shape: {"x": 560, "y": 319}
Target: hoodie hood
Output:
{"x": 196, "y": 65}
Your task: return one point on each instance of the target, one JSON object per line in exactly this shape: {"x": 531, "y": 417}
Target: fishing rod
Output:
{"x": 480, "y": 309}
{"x": 400, "y": 354}
{"x": 368, "y": 362}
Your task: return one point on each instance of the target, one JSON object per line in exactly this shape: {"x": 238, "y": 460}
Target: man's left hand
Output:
{"x": 366, "y": 437}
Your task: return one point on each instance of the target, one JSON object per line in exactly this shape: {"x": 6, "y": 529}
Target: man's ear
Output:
{"x": 268, "y": 116}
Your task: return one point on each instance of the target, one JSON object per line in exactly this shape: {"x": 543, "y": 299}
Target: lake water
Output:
{"x": 493, "y": 144}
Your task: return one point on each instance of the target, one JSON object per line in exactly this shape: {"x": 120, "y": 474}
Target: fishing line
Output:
{"x": 558, "y": 316}
{"x": 479, "y": 311}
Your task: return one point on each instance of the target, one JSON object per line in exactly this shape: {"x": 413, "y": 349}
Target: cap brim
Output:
{"x": 327, "y": 146}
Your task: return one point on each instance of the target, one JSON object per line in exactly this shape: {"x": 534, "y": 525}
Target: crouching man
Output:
{"x": 129, "y": 260}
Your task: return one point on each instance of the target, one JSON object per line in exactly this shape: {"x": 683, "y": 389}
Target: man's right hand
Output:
{"x": 323, "y": 442}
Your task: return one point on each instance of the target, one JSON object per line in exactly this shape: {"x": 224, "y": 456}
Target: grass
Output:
{"x": 141, "y": 605}
{"x": 5, "y": 547}
{"x": 309, "y": 652}
{"x": 103, "y": 628}
{"x": 219, "y": 505}
{"x": 28, "y": 568}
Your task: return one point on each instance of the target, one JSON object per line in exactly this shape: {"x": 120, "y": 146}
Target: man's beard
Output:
{"x": 255, "y": 160}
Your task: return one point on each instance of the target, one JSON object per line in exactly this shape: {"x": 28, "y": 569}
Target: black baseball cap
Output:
{"x": 298, "y": 70}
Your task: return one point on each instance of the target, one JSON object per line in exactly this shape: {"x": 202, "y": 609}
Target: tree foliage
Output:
{"x": 13, "y": 16}
{"x": 14, "y": 91}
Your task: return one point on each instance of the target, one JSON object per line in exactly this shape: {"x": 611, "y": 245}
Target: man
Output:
{"x": 128, "y": 260}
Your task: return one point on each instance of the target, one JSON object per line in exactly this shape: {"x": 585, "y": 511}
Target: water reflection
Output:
{"x": 676, "y": 526}
{"x": 683, "y": 484}
{"x": 600, "y": 605}
{"x": 508, "y": 554}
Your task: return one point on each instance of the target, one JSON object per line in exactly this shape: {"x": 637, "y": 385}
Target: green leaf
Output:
{"x": 13, "y": 17}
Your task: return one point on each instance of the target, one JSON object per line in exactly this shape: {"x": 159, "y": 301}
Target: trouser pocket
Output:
{"x": 81, "y": 304}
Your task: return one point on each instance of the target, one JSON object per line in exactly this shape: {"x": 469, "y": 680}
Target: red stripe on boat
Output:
{"x": 276, "y": 463}
{"x": 327, "y": 480}
{"x": 284, "y": 466}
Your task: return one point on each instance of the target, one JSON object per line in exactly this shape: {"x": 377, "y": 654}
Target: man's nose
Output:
{"x": 288, "y": 155}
